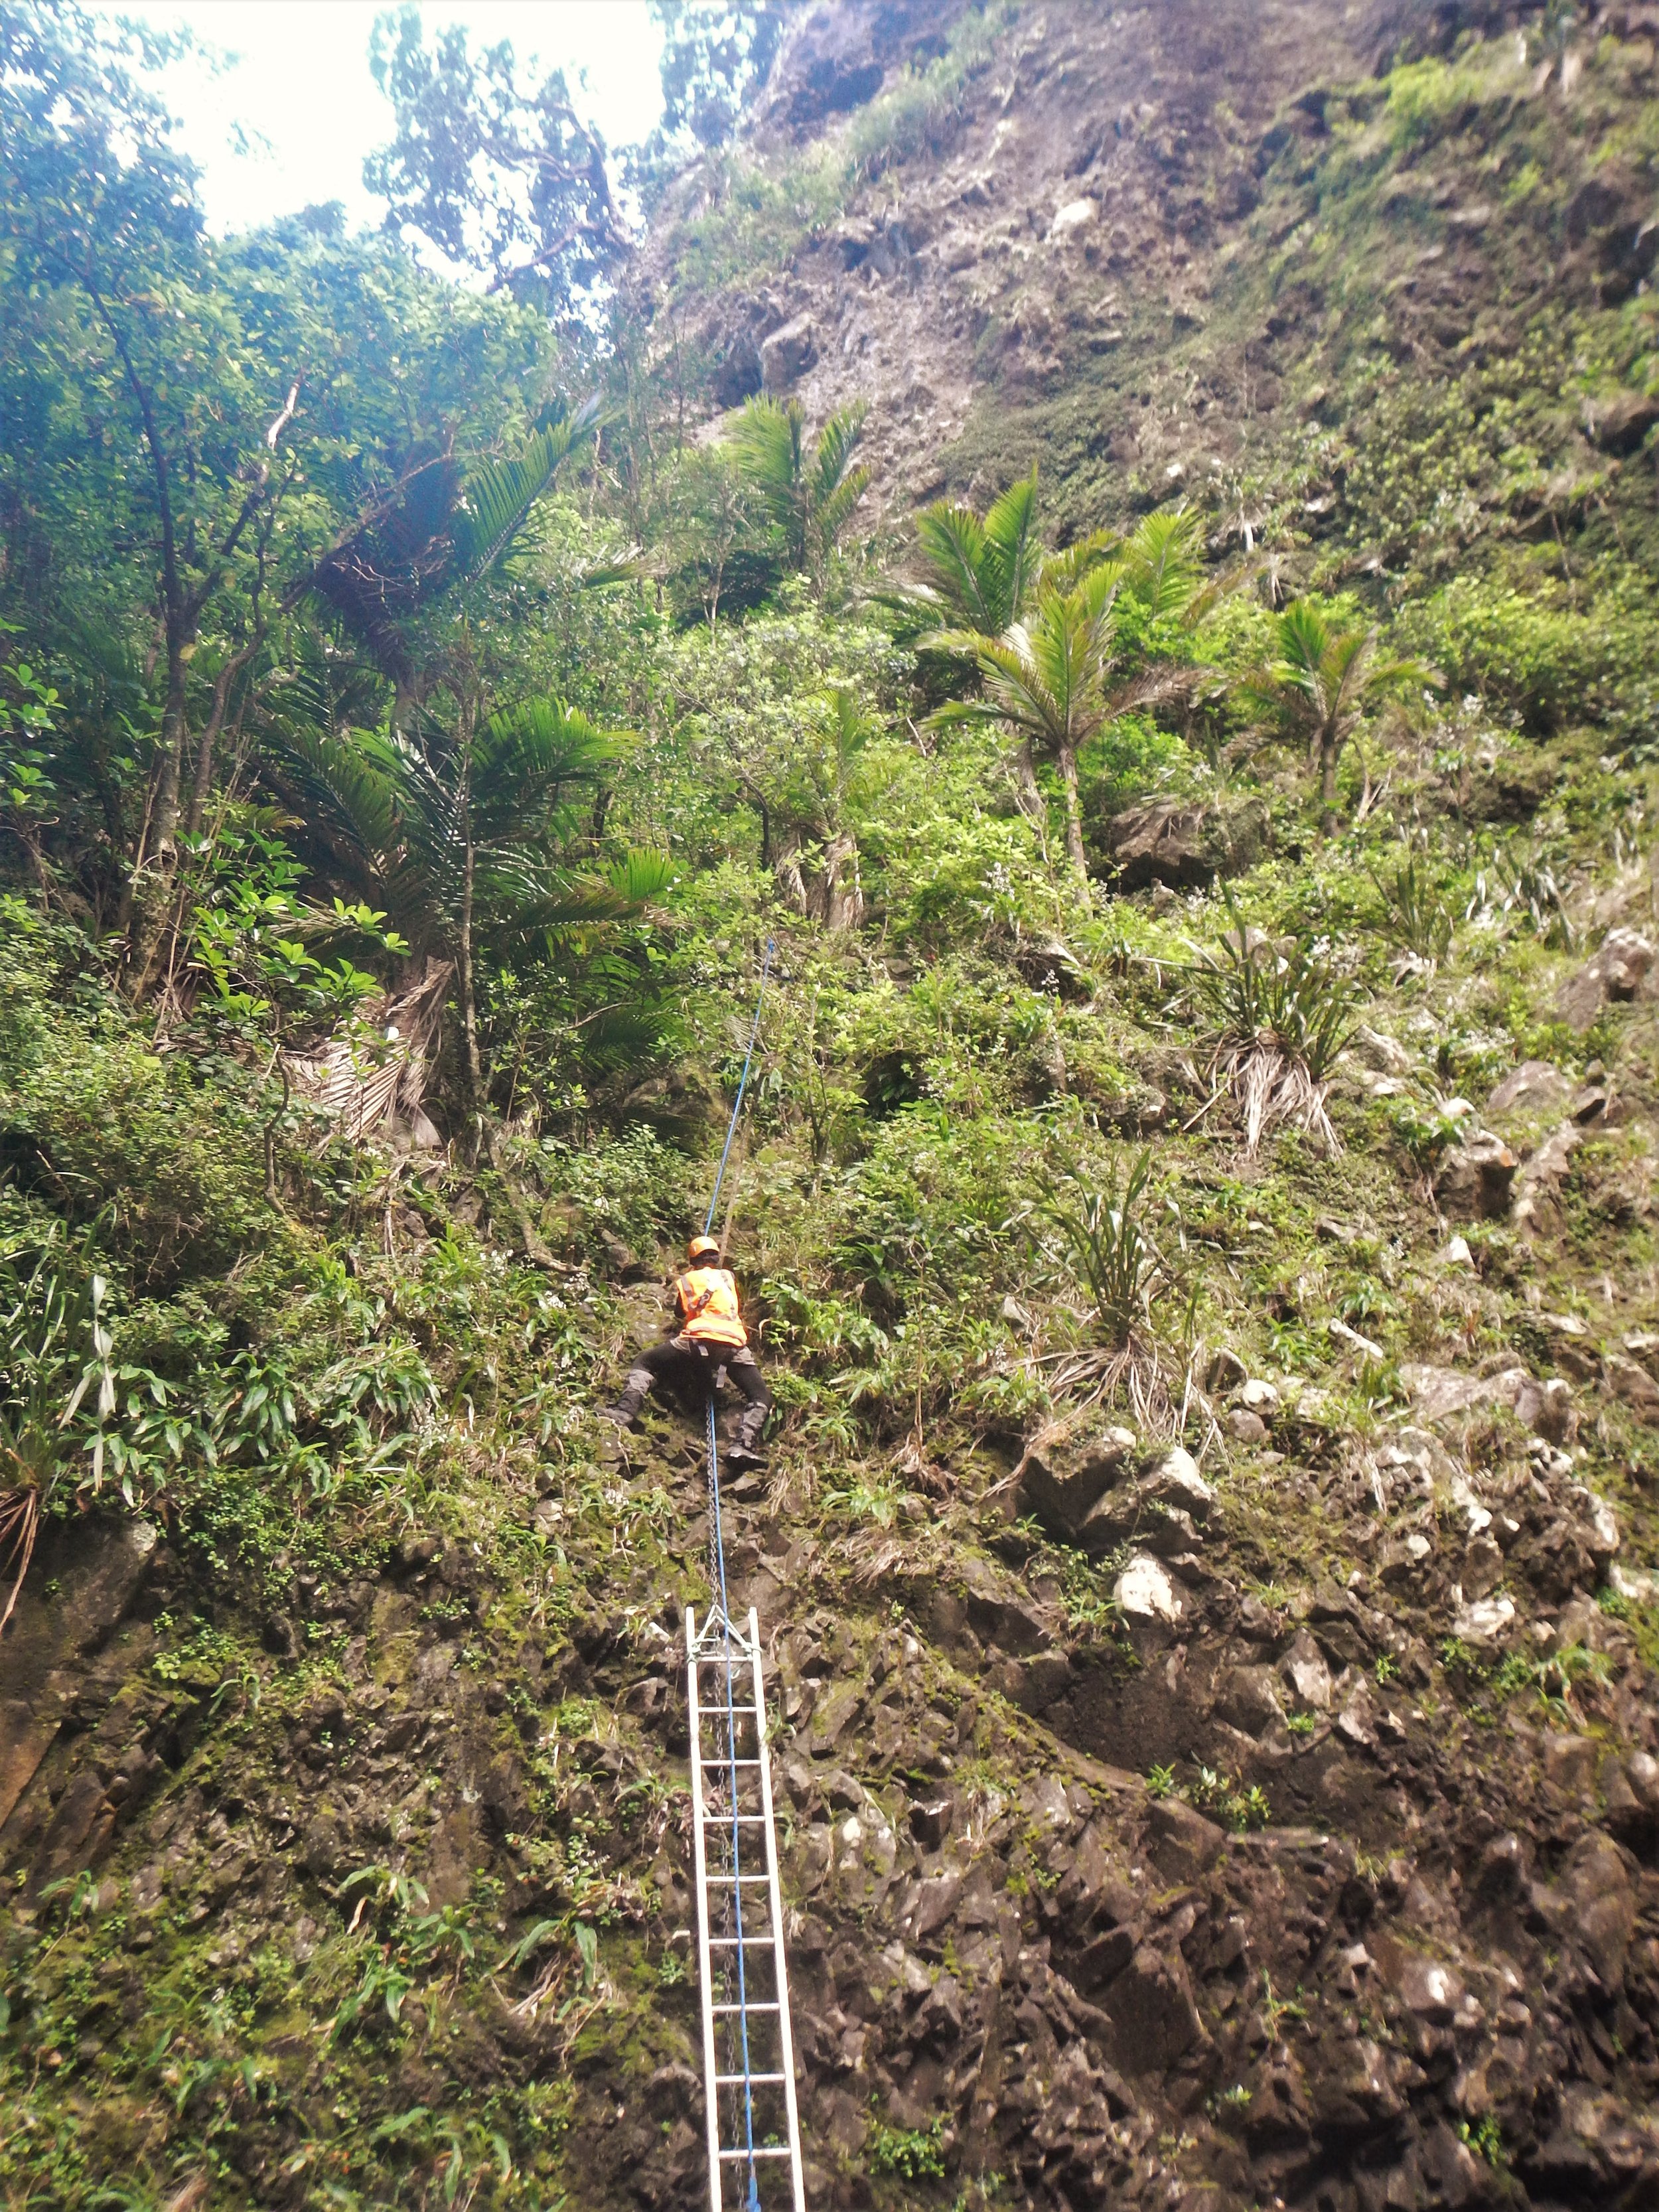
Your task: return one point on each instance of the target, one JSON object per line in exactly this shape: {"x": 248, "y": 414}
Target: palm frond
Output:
{"x": 767, "y": 444}
{"x": 625, "y": 1036}
{"x": 834, "y": 449}
{"x": 953, "y": 545}
{"x": 497, "y": 495}
{"x": 1303, "y": 639}
{"x": 343, "y": 798}
{"x": 1161, "y": 561}
{"x": 642, "y": 877}
{"x": 560, "y": 902}
{"x": 1066, "y": 569}
{"x": 1012, "y": 547}
{"x": 541, "y": 745}
{"x": 831, "y": 518}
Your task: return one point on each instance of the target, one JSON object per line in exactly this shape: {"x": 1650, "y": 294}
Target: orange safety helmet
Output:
{"x": 702, "y": 1247}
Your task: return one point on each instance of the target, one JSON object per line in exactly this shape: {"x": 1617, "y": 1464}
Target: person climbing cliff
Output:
{"x": 710, "y": 1337}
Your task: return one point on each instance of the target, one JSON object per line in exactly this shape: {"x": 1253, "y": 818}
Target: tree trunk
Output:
{"x": 1330, "y": 751}
{"x": 1031, "y": 790}
{"x": 469, "y": 1003}
{"x": 147, "y": 900}
{"x": 1074, "y": 852}
{"x": 170, "y": 769}
{"x": 201, "y": 786}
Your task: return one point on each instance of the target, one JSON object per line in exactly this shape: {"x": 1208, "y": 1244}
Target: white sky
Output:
{"x": 308, "y": 110}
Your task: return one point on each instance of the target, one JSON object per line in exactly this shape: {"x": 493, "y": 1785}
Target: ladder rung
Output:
{"x": 734, "y": 1820}
{"x": 743, "y": 2008}
{"x": 727, "y": 1879}
{"x": 759, "y": 2151}
{"x": 741, "y": 1942}
{"x": 726, "y": 2080}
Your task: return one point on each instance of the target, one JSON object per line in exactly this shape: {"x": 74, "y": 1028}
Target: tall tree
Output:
{"x": 102, "y": 211}
{"x": 444, "y": 526}
{"x": 715, "y": 55}
{"x": 452, "y": 834}
{"x": 200, "y": 432}
{"x": 493, "y": 169}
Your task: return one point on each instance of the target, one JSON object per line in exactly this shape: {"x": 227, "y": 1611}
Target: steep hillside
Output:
{"x": 1209, "y": 1551}
{"x": 1174, "y": 248}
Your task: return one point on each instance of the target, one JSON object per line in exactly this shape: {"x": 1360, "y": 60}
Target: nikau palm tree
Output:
{"x": 450, "y": 841}
{"x": 1318, "y": 686}
{"x": 808, "y": 492}
{"x": 1067, "y": 669}
{"x": 978, "y": 573}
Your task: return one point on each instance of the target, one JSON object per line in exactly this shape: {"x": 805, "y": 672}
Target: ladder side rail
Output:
{"x": 780, "y": 1967}
{"x": 745, "y": 2077}
{"x": 729, "y": 1648}
{"x": 705, "y": 1969}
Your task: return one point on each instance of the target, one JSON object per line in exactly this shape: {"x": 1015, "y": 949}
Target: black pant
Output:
{"x": 683, "y": 1364}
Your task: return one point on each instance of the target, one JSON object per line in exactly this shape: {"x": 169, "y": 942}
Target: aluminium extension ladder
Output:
{"x": 749, "y": 2059}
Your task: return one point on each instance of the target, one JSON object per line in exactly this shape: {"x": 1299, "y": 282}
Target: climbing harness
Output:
{"x": 749, "y": 2061}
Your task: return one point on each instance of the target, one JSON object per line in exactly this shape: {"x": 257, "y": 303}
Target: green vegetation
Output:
{"x": 411, "y": 731}
{"x": 1316, "y": 687}
{"x": 908, "y": 2154}
{"x": 1075, "y": 664}
{"x": 1274, "y": 1022}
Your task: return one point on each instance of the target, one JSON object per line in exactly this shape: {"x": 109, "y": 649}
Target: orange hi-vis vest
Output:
{"x": 709, "y": 1299}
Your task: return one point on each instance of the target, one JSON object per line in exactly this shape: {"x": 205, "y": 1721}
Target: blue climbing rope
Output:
{"x": 743, "y": 1085}
{"x": 717, "y": 1575}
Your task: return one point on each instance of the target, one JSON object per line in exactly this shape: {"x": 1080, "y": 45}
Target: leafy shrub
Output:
{"x": 1425, "y": 100}
{"x": 633, "y": 1187}
{"x": 96, "y": 1126}
{"x": 1548, "y": 665}
{"x": 1240, "y": 1808}
{"x": 909, "y": 2154}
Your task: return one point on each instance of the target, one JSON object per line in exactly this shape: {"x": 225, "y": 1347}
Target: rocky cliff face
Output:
{"x": 1097, "y": 238}
{"x": 1268, "y": 1819}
